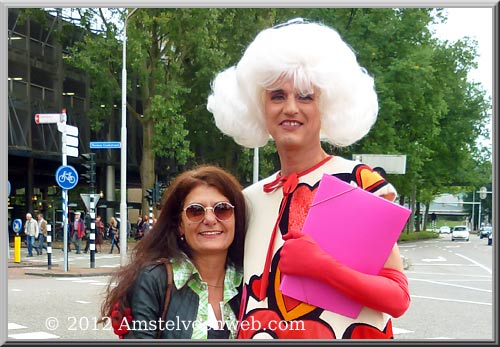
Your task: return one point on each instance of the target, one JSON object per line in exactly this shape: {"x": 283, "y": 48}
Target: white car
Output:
{"x": 444, "y": 229}
{"x": 460, "y": 232}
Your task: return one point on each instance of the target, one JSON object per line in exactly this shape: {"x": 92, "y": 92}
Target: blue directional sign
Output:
{"x": 17, "y": 225}
{"x": 67, "y": 177}
{"x": 105, "y": 145}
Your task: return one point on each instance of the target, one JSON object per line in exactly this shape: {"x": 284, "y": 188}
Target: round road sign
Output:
{"x": 67, "y": 177}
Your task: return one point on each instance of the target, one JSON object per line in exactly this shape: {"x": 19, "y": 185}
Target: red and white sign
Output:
{"x": 47, "y": 118}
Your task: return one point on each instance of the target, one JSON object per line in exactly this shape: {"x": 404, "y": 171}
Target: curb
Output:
{"x": 68, "y": 274}
{"x": 19, "y": 265}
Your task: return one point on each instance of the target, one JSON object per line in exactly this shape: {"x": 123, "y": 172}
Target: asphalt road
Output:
{"x": 43, "y": 308}
{"x": 451, "y": 287}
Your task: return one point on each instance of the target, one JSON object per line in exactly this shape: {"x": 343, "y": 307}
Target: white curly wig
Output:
{"x": 313, "y": 55}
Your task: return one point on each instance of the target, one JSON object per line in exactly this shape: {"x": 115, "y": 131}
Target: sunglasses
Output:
{"x": 196, "y": 212}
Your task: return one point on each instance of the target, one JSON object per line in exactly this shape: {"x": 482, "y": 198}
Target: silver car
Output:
{"x": 485, "y": 231}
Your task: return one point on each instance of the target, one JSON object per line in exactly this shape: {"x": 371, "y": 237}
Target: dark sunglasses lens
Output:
{"x": 195, "y": 213}
{"x": 223, "y": 210}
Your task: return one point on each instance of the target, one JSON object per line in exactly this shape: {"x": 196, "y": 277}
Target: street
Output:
{"x": 59, "y": 307}
{"x": 451, "y": 286}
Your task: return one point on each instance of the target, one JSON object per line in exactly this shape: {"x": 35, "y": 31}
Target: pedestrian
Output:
{"x": 77, "y": 232}
{"x": 31, "y": 231}
{"x": 114, "y": 234}
{"x": 99, "y": 231}
{"x": 139, "y": 227}
{"x": 42, "y": 234}
{"x": 146, "y": 225}
{"x": 200, "y": 231}
{"x": 299, "y": 83}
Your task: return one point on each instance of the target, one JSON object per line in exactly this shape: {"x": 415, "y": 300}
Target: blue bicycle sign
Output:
{"x": 17, "y": 225}
{"x": 67, "y": 177}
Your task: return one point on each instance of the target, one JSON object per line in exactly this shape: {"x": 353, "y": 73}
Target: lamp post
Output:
{"x": 123, "y": 153}
{"x": 255, "y": 164}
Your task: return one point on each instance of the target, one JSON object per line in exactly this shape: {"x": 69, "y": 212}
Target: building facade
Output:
{"x": 39, "y": 81}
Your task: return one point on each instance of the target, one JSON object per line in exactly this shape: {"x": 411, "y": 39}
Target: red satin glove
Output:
{"x": 386, "y": 292}
{"x": 301, "y": 255}
{"x": 120, "y": 320}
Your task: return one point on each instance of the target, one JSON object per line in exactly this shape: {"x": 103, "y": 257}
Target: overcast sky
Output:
{"x": 476, "y": 23}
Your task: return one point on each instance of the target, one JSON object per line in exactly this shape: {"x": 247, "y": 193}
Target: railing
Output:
{"x": 18, "y": 90}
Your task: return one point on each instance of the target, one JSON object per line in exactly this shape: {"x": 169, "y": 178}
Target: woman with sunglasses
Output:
{"x": 201, "y": 229}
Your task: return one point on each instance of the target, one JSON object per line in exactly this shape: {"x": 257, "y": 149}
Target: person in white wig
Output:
{"x": 298, "y": 84}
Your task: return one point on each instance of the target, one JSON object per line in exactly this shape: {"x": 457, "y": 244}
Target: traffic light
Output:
{"x": 149, "y": 196}
{"x": 156, "y": 193}
{"x": 90, "y": 175}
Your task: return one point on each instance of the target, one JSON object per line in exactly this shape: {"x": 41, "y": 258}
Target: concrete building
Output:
{"x": 39, "y": 81}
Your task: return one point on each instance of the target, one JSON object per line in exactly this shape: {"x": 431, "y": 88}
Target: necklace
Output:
{"x": 211, "y": 285}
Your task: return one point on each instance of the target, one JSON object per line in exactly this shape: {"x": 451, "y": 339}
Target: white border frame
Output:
{"x": 5, "y": 4}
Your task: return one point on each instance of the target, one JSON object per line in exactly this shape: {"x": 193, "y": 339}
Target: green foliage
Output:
{"x": 428, "y": 109}
{"x": 420, "y": 235}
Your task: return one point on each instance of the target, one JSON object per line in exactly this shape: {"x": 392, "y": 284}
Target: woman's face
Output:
{"x": 293, "y": 120}
{"x": 209, "y": 235}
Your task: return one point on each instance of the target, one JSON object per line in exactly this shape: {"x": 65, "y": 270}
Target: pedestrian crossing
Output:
{"x": 17, "y": 331}
{"x": 23, "y": 335}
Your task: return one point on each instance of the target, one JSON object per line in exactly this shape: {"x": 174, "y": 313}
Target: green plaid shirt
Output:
{"x": 186, "y": 273}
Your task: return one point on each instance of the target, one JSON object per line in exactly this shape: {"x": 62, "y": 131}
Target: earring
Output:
{"x": 182, "y": 238}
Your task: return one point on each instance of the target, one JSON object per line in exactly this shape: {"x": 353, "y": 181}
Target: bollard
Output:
{"x": 49, "y": 246}
{"x": 17, "y": 248}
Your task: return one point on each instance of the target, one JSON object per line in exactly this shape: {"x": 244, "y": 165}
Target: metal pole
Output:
{"x": 49, "y": 246}
{"x": 64, "y": 194}
{"x": 255, "y": 164}
{"x": 92, "y": 229}
{"x": 479, "y": 217}
{"x": 473, "y": 209}
{"x": 123, "y": 154}
{"x": 123, "y": 166}
{"x": 150, "y": 221}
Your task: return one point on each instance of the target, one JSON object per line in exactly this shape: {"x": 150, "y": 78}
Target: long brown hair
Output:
{"x": 162, "y": 241}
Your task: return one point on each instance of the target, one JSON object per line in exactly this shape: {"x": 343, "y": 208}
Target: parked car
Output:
{"x": 490, "y": 238}
{"x": 460, "y": 232}
{"x": 444, "y": 229}
{"x": 485, "y": 231}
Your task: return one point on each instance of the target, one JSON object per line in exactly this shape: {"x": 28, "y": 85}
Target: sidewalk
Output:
{"x": 27, "y": 265}
{"x": 32, "y": 266}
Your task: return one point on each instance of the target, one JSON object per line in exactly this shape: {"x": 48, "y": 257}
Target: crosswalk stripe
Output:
{"x": 14, "y": 326}
{"x": 39, "y": 335}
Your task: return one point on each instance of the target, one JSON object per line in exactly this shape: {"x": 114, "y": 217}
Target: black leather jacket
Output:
{"x": 147, "y": 301}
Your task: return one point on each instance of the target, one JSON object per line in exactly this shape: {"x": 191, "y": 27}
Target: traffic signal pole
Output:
{"x": 90, "y": 175}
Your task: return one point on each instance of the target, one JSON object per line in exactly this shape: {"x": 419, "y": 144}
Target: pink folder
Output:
{"x": 357, "y": 228}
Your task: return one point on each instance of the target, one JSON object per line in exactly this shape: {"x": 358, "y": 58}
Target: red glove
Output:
{"x": 120, "y": 320}
{"x": 386, "y": 292}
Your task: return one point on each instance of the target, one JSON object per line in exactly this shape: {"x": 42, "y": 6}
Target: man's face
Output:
{"x": 293, "y": 120}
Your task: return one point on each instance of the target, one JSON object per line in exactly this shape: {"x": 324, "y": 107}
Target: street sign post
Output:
{"x": 391, "y": 163}
{"x": 483, "y": 191}
{"x": 66, "y": 176}
{"x": 17, "y": 225}
{"x": 86, "y": 199}
{"x": 50, "y": 118}
{"x": 105, "y": 145}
